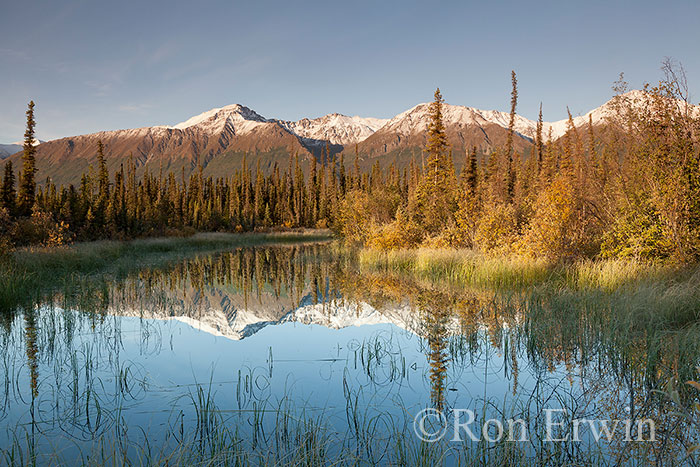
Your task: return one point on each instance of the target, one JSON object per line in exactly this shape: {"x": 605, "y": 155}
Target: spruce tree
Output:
{"x": 569, "y": 143}
{"x": 103, "y": 174}
{"x": 27, "y": 184}
{"x": 539, "y": 143}
{"x": 8, "y": 197}
{"x": 468, "y": 202}
{"x": 470, "y": 172}
{"x": 510, "y": 172}
{"x": 100, "y": 207}
{"x": 435, "y": 203}
{"x": 436, "y": 146}
{"x": 342, "y": 175}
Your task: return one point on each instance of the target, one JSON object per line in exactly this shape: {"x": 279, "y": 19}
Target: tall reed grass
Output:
{"x": 471, "y": 268}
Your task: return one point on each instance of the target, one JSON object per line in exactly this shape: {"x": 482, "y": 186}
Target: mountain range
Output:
{"x": 220, "y": 138}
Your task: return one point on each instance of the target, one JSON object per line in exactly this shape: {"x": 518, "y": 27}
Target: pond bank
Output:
{"x": 27, "y": 272}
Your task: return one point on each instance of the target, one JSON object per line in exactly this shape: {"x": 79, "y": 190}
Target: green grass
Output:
{"x": 27, "y": 274}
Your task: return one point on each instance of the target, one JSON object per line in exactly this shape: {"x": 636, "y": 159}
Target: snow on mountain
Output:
{"x": 416, "y": 119}
{"x": 37, "y": 142}
{"x": 343, "y": 130}
{"x": 597, "y": 116}
{"x": 335, "y": 128}
{"x": 244, "y": 323}
{"x": 333, "y": 315}
{"x": 635, "y": 98}
{"x": 241, "y": 118}
{"x": 237, "y": 128}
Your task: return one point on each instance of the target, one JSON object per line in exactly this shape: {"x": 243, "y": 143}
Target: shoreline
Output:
{"x": 30, "y": 272}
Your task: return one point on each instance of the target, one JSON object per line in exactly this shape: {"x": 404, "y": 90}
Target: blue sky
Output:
{"x": 92, "y": 65}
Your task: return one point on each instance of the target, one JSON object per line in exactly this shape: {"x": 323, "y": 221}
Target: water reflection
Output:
{"x": 435, "y": 310}
{"x": 305, "y": 329}
{"x": 30, "y": 336}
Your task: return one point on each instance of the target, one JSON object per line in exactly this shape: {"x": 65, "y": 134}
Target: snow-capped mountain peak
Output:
{"x": 635, "y": 98}
{"x": 240, "y": 323}
{"x": 6, "y": 150}
{"x": 335, "y": 128}
{"x": 214, "y": 120}
{"x": 415, "y": 120}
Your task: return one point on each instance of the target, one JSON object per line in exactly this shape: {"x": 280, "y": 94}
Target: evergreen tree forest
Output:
{"x": 627, "y": 188}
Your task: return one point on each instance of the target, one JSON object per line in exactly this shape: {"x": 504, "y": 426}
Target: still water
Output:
{"x": 297, "y": 355}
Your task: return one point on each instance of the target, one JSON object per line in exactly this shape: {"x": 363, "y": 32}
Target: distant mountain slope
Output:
{"x": 217, "y": 140}
{"x": 7, "y": 150}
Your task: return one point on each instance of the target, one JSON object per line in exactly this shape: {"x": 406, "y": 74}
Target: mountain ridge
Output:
{"x": 220, "y": 139}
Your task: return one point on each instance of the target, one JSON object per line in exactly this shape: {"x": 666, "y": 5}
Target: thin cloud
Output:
{"x": 163, "y": 52}
{"x": 134, "y": 108}
{"x": 101, "y": 89}
{"x": 14, "y": 53}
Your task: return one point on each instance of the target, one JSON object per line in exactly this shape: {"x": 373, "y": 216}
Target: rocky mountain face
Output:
{"x": 218, "y": 140}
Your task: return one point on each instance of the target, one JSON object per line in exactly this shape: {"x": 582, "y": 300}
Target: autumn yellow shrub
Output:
{"x": 360, "y": 213}
{"x": 449, "y": 237}
{"x": 548, "y": 232}
{"x": 496, "y": 229}
{"x": 560, "y": 228}
{"x": 47, "y": 231}
{"x": 402, "y": 232}
{"x": 466, "y": 217}
{"x": 637, "y": 232}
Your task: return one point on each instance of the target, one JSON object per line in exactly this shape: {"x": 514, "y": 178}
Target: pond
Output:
{"x": 299, "y": 355}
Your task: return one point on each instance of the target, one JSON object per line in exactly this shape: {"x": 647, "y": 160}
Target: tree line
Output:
{"x": 629, "y": 187}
